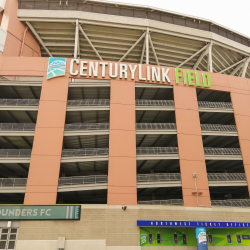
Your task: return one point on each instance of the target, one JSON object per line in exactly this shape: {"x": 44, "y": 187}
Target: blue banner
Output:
{"x": 207, "y": 224}
{"x": 201, "y": 238}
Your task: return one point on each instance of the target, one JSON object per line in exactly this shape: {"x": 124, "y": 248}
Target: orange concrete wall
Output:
{"x": 45, "y": 163}
{"x": 122, "y": 187}
{"x": 15, "y": 32}
{"x": 47, "y": 146}
{"x": 191, "y": 153}
{"x": 240, "y": 96}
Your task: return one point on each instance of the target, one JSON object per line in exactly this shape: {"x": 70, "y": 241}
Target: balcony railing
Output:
{"x": 218, "y": 127}
{"x": 154, "y": 102}
{"x": 226, "y": 177}
{"x": 80, "y": 180}
{"x": 106, "y": 102}
{"x": 19, "y": 102}
{"x": 156, "y": 126}
{"x": 101, "y": 126}
{"x": 89, "y": 102}
{"x": 13, "y": 182}
{"x": 156, "y": 150}
{"x": 15, "y": 152}
{"x": 225, "y": 105}
{"x": 158, "y": 177}
{"x": 85, "y": 152}
{"x": 222, "y": 151}
{"x": 17, "y": 126}
{"x": 173, "y": 202}
{"x": 231, "y": 203}
{"x": 86, "y": 126}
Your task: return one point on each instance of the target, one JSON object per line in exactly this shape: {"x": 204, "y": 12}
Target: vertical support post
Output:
{"x": 122, "y": 185}
{"x": 241, "y": 104}
{"x": 78, "y": 47}
{"x": 147, "y": 46}
{"x": 143, "y": 50}
{"x": 42, "y": 183}
{"x": 76, "y": 39}
{"x": 191, "y": 152}
{"x": 210, "y": 58}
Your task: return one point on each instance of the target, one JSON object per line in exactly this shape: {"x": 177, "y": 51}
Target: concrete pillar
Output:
{"x": 191, "y": 153}
{"x": 122, "y": 187}
{"x": 47, "y": 146}
{"x": 240, "y": 97}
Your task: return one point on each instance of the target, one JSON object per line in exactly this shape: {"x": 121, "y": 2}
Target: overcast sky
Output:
{"x": 234, "y": 14}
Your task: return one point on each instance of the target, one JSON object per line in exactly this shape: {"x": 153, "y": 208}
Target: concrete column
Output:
{"x": 191, "y": 153}
{"x": 240, "y": 97}
{"x": 47, "y": 147}
{"x": 122, "y": 187}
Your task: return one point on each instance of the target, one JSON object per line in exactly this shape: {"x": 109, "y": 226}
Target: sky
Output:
{"x": 234, "y": 14}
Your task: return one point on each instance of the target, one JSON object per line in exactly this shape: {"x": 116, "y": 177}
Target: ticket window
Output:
{"x": 184, "y": 238}
{"x": 176, "y": 239}
{"x": 150, "y": 238}
{"x": 238, "y": 239}
{"x": 229, "y": 239}
{"x": 158, "y": 238}
{"x": 210, "y": 238}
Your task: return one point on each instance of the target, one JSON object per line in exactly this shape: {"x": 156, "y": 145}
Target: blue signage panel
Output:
{"x": 201, "y": 238}
{"x": 211, "y": 224}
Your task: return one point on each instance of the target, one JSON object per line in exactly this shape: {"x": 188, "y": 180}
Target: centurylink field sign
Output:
{"x": 40, "y": 212}
{"x": 57, "y": 67}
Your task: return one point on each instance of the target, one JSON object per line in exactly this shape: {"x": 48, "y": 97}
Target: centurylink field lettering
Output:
{"x": 40, "y": 212}
{"x": 151, "y": 73}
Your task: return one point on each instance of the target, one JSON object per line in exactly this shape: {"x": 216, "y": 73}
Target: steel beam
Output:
{"x": 143, "y": 50}
{"x": 90, "y": 43}
{"x": 210, "y": 56}
{"x": 142, "y": 36}
{"x": 38, "y": 38}
{"x": 192, "y": 56}
{"x": 235, "y": 64}
{"x": 205, "y": 52}
{"x": 76, "y": 39}
{"x": 153, "y": 49}
{"x": 237, "y": 69}
{"x": 147, "y": 46}
{"x": 244, "y": 69}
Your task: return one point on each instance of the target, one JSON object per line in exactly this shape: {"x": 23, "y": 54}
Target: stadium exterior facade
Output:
{"x": 121, "y": 127}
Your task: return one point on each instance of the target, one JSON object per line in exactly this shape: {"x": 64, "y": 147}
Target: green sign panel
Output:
{"x": 40, "y": 212}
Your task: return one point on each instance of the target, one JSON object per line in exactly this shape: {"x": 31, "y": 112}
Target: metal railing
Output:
{"x": 13, "y": 182}
{"x": 19, "y": 102}
{"x": 225, "y": 105}
{"x": 86, "y": 126}
{"x": 100, "y": 126}
{"x": 156, "y": 150}
{"x": 89, "y": 102}
{"x": 106, "y": 102}
{"x": 231, "y": 203}
{"x": 218, "y": 127}
{"x": 226, "y": 177}
{"x": 222, "y": 151}
{"x": 85, "y": 152}
{"x": 155, "y": 126}
{"x": 15, "y": 152}
{"x": 154, "y": 102}
{"x": 18, "y": 126}
{"x": 79, "y": 180}
{"x": 158, "y": 177}
{"x": 173, "y": 202}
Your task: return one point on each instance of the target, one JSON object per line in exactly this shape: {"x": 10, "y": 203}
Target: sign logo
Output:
{"x": 56, "y": 67}
{"x": 40, "y": 212}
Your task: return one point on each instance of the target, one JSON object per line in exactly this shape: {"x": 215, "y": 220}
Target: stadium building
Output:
{"x": 122, "y": 127}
